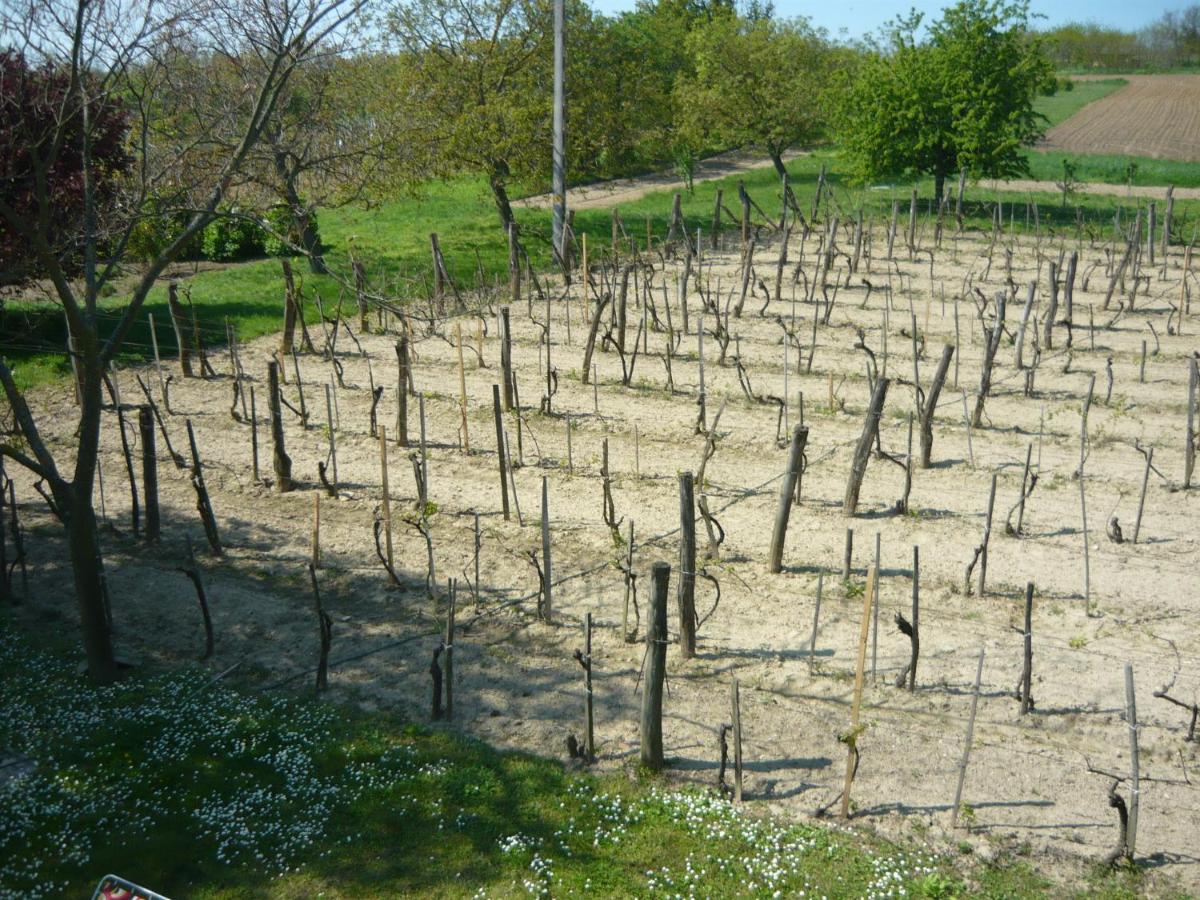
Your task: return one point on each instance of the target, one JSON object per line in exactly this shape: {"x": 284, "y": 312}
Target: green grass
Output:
{"x": 1112, "y": 169}
{"x": 1063, "y": 104}
{"x": 205, "y": 790}
{"x": 393, "y": 241}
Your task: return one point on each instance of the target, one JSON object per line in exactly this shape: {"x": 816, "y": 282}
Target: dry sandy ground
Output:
{"x": 516, "y": 683}
{"x": 1154, "y": 115}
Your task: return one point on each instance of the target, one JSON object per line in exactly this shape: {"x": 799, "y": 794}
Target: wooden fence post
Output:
{"x": 1137, "y": 525}
{"x": 686, "y": 592}
{"x": 812, "y": 646}
{"x": 656, "y": 668}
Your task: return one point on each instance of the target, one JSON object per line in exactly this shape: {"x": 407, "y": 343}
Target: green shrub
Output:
{"x": 231, "y": 238}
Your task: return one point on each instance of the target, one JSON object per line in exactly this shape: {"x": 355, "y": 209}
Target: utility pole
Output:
{"x": 558, "y": 156}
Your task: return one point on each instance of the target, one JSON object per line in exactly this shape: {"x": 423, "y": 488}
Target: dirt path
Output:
{"x": 516, "y": 683}
{"x": 626, "y": 190}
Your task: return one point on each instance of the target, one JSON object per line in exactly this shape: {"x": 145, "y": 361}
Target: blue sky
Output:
{"x": 860, "y": 17}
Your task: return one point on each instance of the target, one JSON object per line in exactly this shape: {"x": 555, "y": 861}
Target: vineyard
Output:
{"x": 971, "y": 453}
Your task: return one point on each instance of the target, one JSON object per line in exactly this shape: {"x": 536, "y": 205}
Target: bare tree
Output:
{"x": 139, "y": 52}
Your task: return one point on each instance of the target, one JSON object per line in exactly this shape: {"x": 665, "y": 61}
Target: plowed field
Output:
{"x": 1155, "y": 115}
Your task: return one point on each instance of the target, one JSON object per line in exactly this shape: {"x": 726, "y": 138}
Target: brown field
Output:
{"x": 1154, "y": 115}
{"x": 516, "y": 683}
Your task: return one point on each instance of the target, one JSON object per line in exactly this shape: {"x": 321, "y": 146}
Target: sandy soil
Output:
{"x": 516, "y": 683}
{"x": 1154, "y": 115}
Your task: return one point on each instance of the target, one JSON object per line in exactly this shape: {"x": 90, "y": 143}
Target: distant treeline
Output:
{"x": 1171, "y": 42}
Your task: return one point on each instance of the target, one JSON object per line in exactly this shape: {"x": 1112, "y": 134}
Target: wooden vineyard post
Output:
{"x": 149, "y": 473}
{"x": 500, "y": 449}
{"x": 1134, "y": 772}
{"x": 987, "y": 537}
{"x": 735, "y": 709}
{"x": 281, "y": 461}
{"x": 506, "y": 357}
{"x": 1027, "y": 664}
{"x": 859, "y": 674}
{"x": 1137, "y": 525}
{"x": 656, "y": 668}
{"x": 424, "y": 456}
{"x": 548, "y": 608}
{"x": 332, "y": 438}
{"x": 930, "y": 406}
{"x": 316, "y": 533}
{"x": 862, "y": 452}
{"x": 589, "y": 732}
{"x": 448, "y": 655}
{"x": 254, "y": 434}
{"x": 402, "y": 392}
{"x": 1189, "y": 450}
{"x": 203, "y": 504}
{"x": 300, "y": 389}
{"x": 387, "y": 499}
{"x": 686, "y": 591}
{"x": 629, "y": 587}
{"x": 462, "y": 388}
{"x": 786, "y": 492}
{"x": 916, "y": 619}
{"x": 325, "y": 623}
{"x": 967, "y": 423}
{"x": 962, "y": 766}
{"x": 812, "y": 645}
{"x": 1024, "y": 482}
{"x": 848, "y": 554}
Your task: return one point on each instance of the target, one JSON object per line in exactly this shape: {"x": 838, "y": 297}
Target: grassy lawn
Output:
{"x": 393, "y": 241}
{"x": 1064, "y": 104}
{"x": 205, "y": 790}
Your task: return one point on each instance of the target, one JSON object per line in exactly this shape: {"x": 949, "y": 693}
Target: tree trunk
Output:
{"x": 939, "y": 187}
{"x": 75, "y": 500}
{"x": 500, "y": 194}
{"x": 311, "y": 242}
{"x": 777, "y": 162}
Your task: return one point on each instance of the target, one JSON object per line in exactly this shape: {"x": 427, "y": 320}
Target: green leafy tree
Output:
{"x": 962, "y": 97}
{"x": 758, "y": 82}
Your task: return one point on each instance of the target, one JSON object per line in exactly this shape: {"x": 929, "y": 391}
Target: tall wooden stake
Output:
{"x": 656, "y": 668}
{"x": 387, "y": 497}
{"x": 687, "y": 566}
{"x": 736, "y": 711}
{"x": 500, "y": 449}
{"x": 962, "y": 766}
{"x": 859, "y": 675}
